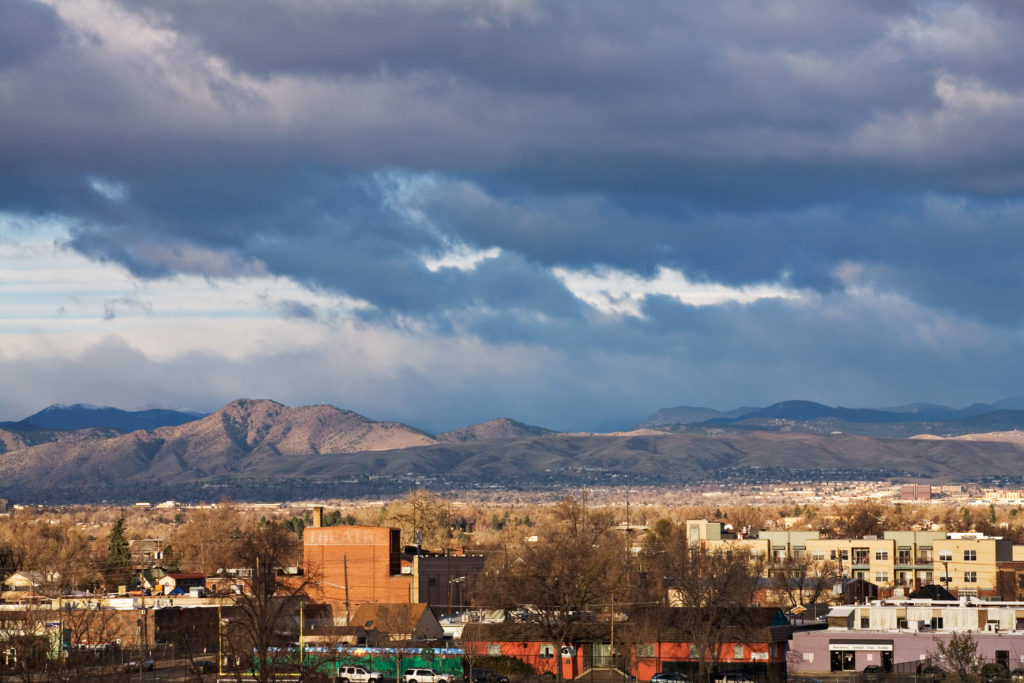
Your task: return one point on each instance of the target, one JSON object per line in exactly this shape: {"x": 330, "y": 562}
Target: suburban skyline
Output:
{"x": 441, "y": 213}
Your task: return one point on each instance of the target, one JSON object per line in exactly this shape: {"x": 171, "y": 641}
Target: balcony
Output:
{"x": 920, "y": 562}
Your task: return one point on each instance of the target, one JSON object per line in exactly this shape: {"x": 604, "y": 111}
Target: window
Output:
{"x": 546, "y": 650}
{"x": 865, "y": 622}
{"x": 645, "y": 650}
{"x": 494, "y": 649}
{"x": 936, "y": 622}
{"x": 970, "y": 577}
{"x": 881, "y": 577}
{"x": 860, "y": 555}
{"x": 799, "y": 553}
{"x": 904, "y": 556}
{"x": 843, "y": 660}
{"x": 882, "y": 555}
{"x": 737, "y": 651}
{"x": 945, "y": 555}
{"x": 901, "y": 622}
{"x": 970, "y": 555}
{"x": 778, "y": 554}
{"x": 818, "y": 555}
{"x": 926, "y": 555}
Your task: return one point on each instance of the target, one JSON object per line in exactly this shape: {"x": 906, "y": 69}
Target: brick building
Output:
{"x": 353, "y": 565}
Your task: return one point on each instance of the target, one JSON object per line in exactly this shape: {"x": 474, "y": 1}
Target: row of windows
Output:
{"x": 901, "y": 622}
{"x": 947, "y": 556}
{"x": 646, "y": 650}
{"x": 860, "y": 555}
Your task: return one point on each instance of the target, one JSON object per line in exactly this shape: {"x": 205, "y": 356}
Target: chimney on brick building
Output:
{"x": 318, "y": 517}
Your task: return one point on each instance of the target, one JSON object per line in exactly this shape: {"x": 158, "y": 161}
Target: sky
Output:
{"x": 442, "y": 212}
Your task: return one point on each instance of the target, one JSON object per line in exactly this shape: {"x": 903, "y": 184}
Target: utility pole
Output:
{"x": 611, "y": 638}
{"x": 348, "y": 616}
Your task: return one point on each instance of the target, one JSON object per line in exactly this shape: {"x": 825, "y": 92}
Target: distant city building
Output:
{"x": 916, "y": 492}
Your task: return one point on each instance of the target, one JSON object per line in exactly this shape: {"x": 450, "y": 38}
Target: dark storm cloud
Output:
{"x": 26, "y": 30}
{"x": 871, "y": 145}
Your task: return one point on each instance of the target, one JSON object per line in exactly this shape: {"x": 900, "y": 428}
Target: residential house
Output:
{"x": 25, "y": 585}
{"x": 182, "y": 583}
{"x": 146, "y": 551}
{"x": 398, "y": 621}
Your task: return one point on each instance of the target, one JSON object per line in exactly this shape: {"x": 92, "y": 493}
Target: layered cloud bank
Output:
{"x": 442, "y": 212}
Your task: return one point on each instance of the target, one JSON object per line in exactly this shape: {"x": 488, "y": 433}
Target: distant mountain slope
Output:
{"x": 500, "y": 429}
{"x": 82, "y": 416}
{"x": 687, "y": 415}
{"x": 676, "y": 458}
{"x": 237, "y": 439}
{"x": 252, "y": 441}
{"x": 808, "y": 416}
{"x": 809, "y": 410}
{"x": 18, "y": 435}
{"x": 998, "y": 420}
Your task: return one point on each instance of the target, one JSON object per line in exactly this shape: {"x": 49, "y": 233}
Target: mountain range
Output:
{"x": 808, "y": 416}
{"x": 250, "y": 445}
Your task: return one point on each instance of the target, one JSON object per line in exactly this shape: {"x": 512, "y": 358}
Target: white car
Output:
{"x": 426, "y": 676}
{"x": 358, "y": 674}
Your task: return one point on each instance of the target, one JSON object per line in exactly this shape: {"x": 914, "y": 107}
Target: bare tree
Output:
{"x": 573, "y": 568}
{"x": 864, "y": 518}
{"x": 204, "y": 541}
{"x": 800, "y": 581}
{"x": 24, "y": 640}
{"x": 714, "y": 586}
{"x": 959, "y": 655}
{"x": 260, "y": 629}
{"x": 421, "y": 514}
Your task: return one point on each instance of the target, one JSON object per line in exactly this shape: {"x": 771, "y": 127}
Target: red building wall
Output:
{"x": 577, "y": 663}
{"x": 530, "y": 653}
{"x": 760, "y": 653}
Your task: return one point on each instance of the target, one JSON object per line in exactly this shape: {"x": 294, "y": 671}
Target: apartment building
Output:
{"x": 714, "y": 536}
{"x": 966, "y": 564}
{"x": 871, "y": 559}
{"x": 914, "y": 557}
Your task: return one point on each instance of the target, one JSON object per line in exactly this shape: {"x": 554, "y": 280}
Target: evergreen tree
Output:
{"x": 119, "y": 557}
{"x": 118, "y": 554}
